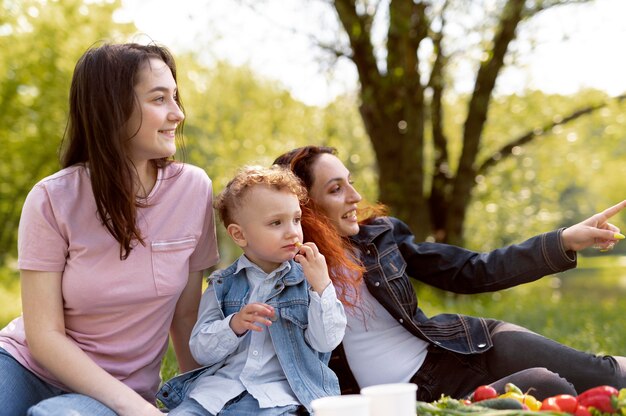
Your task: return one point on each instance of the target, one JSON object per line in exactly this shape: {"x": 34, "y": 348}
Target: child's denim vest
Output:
{"x": 307, "y": 370}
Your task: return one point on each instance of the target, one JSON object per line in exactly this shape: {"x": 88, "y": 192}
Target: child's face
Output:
{"x": 269, "y": 224}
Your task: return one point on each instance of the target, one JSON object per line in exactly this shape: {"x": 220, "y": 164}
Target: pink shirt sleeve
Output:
{"x": 41, "y": 243}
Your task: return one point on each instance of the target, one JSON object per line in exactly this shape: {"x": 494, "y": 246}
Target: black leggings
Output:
{"x": 536, "y": 364}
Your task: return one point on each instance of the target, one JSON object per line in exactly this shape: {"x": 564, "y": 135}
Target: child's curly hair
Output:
{"x": 275, "y": 177}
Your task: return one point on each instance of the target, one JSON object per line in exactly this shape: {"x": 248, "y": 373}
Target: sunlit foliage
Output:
{"x": 40, "y": 42}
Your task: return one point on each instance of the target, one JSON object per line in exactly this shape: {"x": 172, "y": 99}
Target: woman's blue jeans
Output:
{"x": 23, "y": 393}
{"x": 532, "y": 362}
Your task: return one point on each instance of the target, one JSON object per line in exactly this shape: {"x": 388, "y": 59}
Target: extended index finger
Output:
{"x": 609, "y": 212}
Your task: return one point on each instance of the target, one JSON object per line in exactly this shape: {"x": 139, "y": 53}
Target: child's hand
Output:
{"x": 314, "y": 266}
{"x": 251, "y": 315}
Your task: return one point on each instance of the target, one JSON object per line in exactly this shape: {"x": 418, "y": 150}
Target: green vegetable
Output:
{"x": 500, "y": 403}
{"x": 512, "y": 388}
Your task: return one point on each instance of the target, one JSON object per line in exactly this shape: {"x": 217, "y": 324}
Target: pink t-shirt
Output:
{"x": 118, "y": 312}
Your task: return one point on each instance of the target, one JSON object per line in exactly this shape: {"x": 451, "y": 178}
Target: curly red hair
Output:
{"x": 345, "y": 270}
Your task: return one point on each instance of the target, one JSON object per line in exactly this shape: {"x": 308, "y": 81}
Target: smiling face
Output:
{"x": 333, "y": 193}
{"x": 267, "y": 226}
{"x": 153, "y": 122}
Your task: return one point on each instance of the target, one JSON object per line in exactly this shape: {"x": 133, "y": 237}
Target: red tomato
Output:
{"x": 582, "y": 411}
{"x": 484, "y": 393}
{"x": 566, "y": 403}
{"x": 549, "y": 403}
{"x": 560, "y": 403}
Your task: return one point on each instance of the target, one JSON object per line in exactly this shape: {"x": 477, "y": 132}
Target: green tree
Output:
{"x": 423, "y": 177}
{"x": 39, "y": 45}
{"x": 563, "y": 176}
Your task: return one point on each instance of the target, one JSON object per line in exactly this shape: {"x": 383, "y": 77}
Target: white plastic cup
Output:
{"x": 397, "y": 399}
{"x": 346, "y": 405}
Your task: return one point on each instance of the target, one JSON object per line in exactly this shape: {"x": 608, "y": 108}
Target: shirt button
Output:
{"x": 401, "y": 320}
{"x": 255, "y": 353}
{"x": 482, "y": 345}
{"x": 367, "y": 252}
{"x": 377, "y": 284}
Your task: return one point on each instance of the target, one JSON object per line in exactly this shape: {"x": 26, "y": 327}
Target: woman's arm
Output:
{"x": 460, "y": 270}
{"x": 44, "y": 323}
{"x": 463, "y": 271}
{"x": 185, "y": 317}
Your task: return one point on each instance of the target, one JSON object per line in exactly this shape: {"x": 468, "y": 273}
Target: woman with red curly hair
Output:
{"x": 390, "y": 339}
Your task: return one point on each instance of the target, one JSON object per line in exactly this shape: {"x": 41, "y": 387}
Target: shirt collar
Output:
{"x": 244, "y": 263}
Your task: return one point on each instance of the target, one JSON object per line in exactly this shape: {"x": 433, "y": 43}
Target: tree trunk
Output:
{"x": 395, "y": 111}
{"x": 476, "y": 118}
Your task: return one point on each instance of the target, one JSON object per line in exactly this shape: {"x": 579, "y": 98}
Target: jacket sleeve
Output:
{"x": 459, "y": 270}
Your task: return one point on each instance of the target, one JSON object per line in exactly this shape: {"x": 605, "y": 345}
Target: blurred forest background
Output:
{"x": 486, "y": 169}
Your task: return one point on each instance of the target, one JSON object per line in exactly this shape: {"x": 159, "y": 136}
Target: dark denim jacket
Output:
{"x": 390, "y": 255}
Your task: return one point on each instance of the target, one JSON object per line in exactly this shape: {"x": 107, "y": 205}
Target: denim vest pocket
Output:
{"x": 170, "y": 264}
{"x": 232, "y": 306}
{"x": 297, "y": 314}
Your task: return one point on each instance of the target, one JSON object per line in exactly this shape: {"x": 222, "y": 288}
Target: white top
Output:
{"x": 379, "y": 350}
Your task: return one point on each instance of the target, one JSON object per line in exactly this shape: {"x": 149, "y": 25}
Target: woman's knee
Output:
{"x": 538, "y": 382}
{"x": 19, "y": 387}
{"x": 70, "y": 404}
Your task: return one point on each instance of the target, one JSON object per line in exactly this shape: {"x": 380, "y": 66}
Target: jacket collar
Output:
{"x": 369, "y": 232}
{"x": 289, "y": 272}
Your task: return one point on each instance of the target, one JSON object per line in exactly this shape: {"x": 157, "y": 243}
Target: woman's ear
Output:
{"x": 236, "y": 233}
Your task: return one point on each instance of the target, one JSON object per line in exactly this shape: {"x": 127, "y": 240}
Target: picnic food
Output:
{"x": 484, "y": 393}
{"x": 604, "y": 398}
{"x": 597, "y": 401}
{"x": 560, "y": 403}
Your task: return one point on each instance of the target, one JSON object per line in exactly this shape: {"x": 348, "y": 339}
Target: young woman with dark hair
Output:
{"x": 389, "y": 339}
{"x": 111, "y": 249}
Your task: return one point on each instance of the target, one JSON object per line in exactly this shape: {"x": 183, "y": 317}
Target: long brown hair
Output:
{"x": 102, "y": 99}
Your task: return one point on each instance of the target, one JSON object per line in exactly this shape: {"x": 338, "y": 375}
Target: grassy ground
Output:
{"x": 581, "y": 308}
